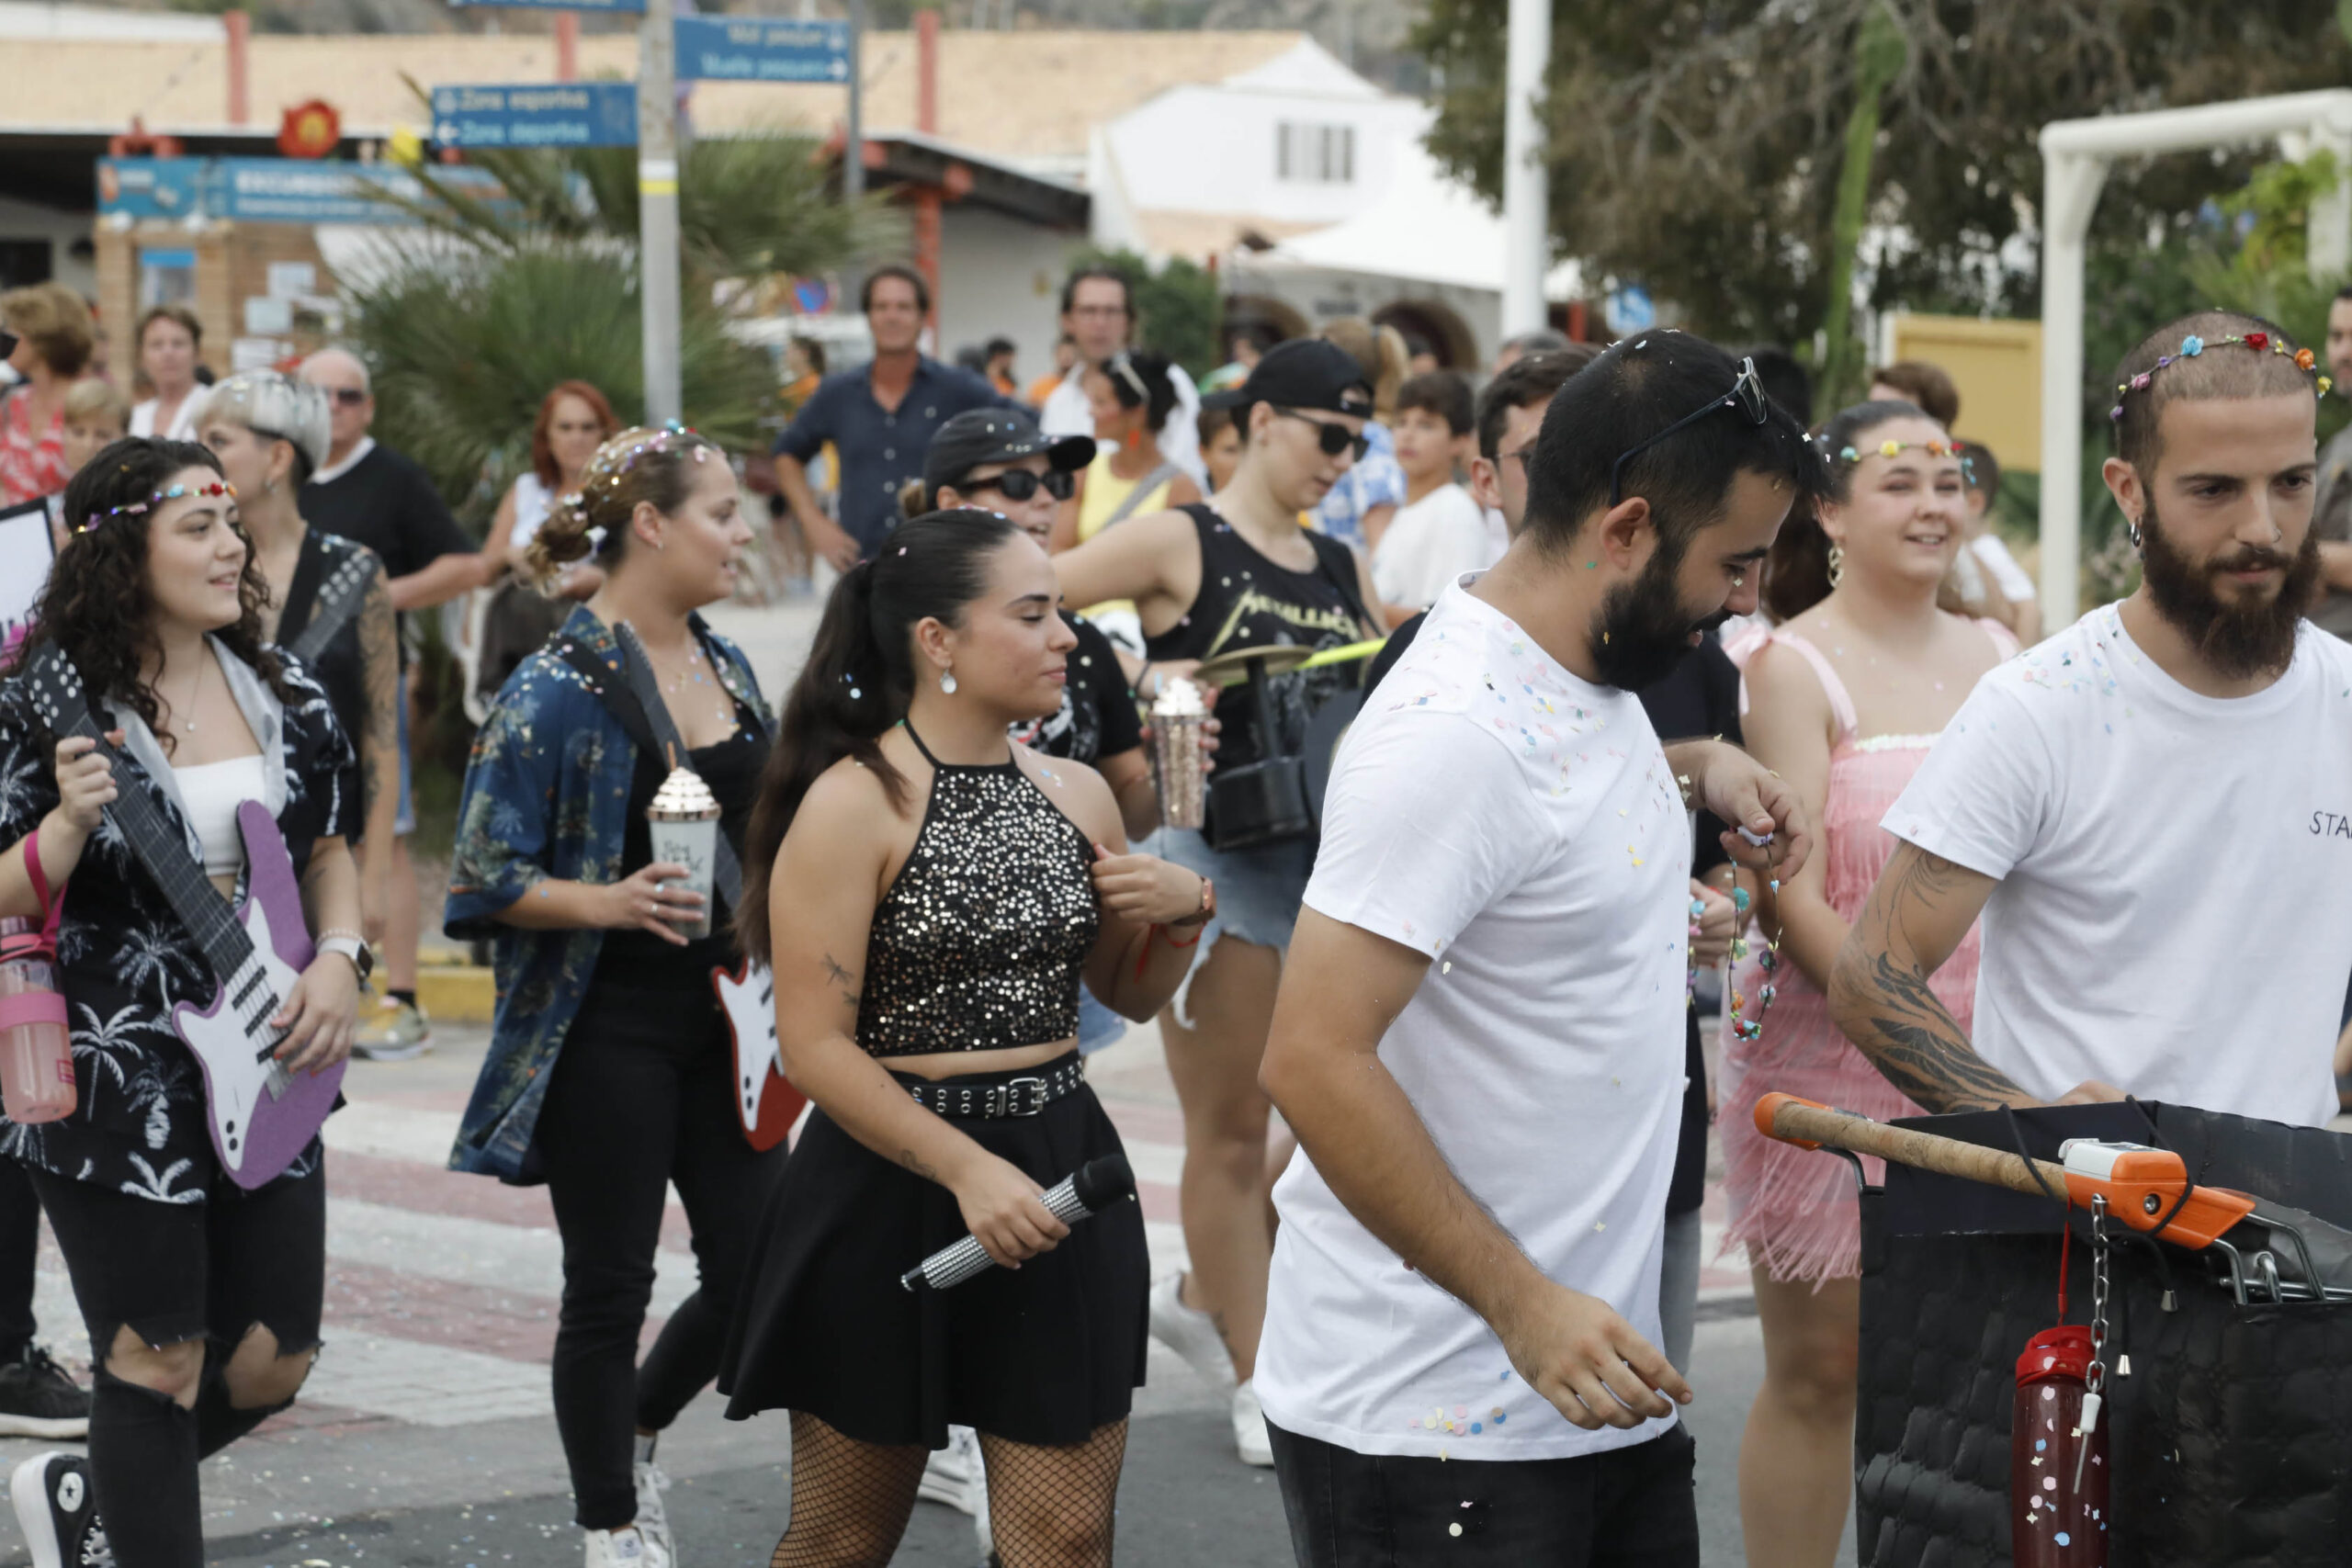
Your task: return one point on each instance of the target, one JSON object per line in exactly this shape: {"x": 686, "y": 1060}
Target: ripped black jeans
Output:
{"x": 172, "y": 1273}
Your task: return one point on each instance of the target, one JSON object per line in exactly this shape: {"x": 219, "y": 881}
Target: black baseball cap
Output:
{"x": 1303, "y": 373}
{"x": 997, "y": 435}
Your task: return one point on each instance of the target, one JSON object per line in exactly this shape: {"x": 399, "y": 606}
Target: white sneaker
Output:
{"x": 624, "y": 1549}
{"x": 653, "y": 1516}
{"x": 1249, "y": 1439}
{"x": 958, "y": 1476}
{"x": 1190, "y": 1332}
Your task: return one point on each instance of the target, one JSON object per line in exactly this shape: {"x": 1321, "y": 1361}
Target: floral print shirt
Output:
{"x": 1374, "y": 479}
{"x": 31, "y": 462}
{"x": 546, "y": 797}
{"x": 140, "y": 1123}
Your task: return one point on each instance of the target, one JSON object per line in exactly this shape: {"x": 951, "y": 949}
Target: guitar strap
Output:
{"x": 636, "y": 702}
{"x": 338, "y": 600}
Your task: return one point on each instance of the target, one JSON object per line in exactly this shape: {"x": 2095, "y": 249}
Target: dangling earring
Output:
{"x": 1837, "y": 564}
{"x": 948, "y": 682}
{"x": 2132, "y": 528}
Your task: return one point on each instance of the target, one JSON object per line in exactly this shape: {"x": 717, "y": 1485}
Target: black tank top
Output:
{"x": 980, "y": 941}
{"x": 1248, "y": 601}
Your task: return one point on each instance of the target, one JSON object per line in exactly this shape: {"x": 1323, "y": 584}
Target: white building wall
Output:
{"x": 24, "y": 221}
{"x": 1212, "y": 149}
{"x": 1001, "y": 276}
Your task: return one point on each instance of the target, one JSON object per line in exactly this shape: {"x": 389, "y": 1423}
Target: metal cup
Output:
{"x": 1179, "y": 727}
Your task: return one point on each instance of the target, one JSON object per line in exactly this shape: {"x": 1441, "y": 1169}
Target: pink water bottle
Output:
{"x": 36, "y": 1046}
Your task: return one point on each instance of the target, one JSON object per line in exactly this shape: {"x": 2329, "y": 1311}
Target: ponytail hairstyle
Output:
{"x": 97, "y": 608}
{"x": 860, "y": 677}
{"x": 1796, "y": 572}
{"x": 639, "y": 464}
{"x": 1140, "y": 379}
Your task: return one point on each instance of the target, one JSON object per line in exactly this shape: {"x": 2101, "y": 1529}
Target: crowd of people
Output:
{"x": 1528, "y": 702}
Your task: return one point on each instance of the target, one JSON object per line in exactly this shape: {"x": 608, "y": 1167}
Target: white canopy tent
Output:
{"x": 2074, "y": 158}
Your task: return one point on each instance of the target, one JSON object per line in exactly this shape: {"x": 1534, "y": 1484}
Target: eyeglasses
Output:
{"x": 1020, "y": 484}
{"x": 1747, "y": 395}
{"x": 1333, "y": 438}
{"x": 349, "y": 397}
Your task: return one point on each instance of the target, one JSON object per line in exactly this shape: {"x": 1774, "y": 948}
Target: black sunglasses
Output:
{"x": 349, "y": 397}
{"x": 1747, "y": 395}
{"x": 1333, "y": 438}
{"x": 8, "y": 340}
{"x": 1020, "y": 484}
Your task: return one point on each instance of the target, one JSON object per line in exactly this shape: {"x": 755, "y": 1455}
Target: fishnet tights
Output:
{"x": 1049, "y": 1508}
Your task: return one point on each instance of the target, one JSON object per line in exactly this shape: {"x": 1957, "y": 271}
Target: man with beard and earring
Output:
{"x": 1477, "y": 1034}
{"x": 2151, "y": 807}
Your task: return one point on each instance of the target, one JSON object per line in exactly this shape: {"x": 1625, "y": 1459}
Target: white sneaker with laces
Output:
{"x": 1249, "y": 1439}
{"x": 653, "y": 1516}
{"x": 1190, "y": 1332}
{"x": 624, "y": 1549}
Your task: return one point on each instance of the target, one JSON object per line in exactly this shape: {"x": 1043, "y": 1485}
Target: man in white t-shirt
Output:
{"x": 1099, "y": 313}
{"x": 2153, "y": 810}
{"x": 1478, "y": 1037}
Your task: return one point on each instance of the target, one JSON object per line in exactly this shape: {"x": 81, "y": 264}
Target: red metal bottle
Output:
{"x": 2058, "y": 1472}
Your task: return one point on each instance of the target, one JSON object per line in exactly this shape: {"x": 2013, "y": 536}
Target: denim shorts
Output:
{"x": 403, "y": 815}
{"x": 1258, "y": 892}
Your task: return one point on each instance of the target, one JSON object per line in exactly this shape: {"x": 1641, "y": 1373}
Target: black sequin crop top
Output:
{"x": 979, "y": 943}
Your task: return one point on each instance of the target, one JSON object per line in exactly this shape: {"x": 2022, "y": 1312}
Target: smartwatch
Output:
{"x": 351, "y": 947}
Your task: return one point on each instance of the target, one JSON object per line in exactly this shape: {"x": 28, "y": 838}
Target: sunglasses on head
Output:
{"x": 1333, "y": 438}
{"x": 1020, "y": 484}
{"x": 1747, "y": 395}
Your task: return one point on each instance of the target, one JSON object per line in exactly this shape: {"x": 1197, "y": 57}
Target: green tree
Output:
{"x": 1696, "y": 145}
{"x": 469, "y": 317}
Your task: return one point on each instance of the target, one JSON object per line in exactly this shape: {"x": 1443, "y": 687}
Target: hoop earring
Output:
{"x": 948, "y": 682}
{"x": 1837, "y": 564}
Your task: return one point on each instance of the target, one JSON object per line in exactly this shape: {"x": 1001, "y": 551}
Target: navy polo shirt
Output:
{"x": 881, "y": 449}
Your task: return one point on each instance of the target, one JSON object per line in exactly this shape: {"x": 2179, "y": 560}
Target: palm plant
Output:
{"x": 469, "y": 317}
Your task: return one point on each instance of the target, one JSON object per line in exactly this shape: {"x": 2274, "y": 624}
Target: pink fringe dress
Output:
{"x": 1794, "y": 1209}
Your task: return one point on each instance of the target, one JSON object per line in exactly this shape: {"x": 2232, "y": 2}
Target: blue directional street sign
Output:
{"x": 633, "y": 7}
{"x": 566, "y": 114}
{"x": 751, "y": 48}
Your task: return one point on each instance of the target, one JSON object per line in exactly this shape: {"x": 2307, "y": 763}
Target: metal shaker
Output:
{"x": 684, "y": 821}
{"x": 1179, "y": 727}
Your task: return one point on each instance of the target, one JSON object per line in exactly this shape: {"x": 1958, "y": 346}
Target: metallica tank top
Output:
{"x": 1248, "y": 601}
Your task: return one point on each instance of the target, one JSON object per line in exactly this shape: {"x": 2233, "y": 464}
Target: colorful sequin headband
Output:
{"x": 611, "y": 463}
{"x": 136, "y": 508}
{"x": 1896, "y": 448}
{"x": 2193, "y": 346}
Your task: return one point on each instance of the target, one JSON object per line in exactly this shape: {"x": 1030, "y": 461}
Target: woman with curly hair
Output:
{"x": 610, "y": 1075}
{"x": 201, "y": 1296}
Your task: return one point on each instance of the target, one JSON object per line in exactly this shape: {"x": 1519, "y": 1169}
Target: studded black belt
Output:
{"x": 1022, "y": 1095}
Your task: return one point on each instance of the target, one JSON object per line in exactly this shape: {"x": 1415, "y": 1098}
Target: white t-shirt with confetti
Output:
{"x": 1521, "y": 825}
{"x": 2175, "y": 908}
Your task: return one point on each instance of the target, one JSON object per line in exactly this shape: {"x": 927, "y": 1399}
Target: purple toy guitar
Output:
{"x": 261, "y": 1115}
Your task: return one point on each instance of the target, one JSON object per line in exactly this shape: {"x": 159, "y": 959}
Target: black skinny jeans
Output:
{"x": 643, "y": 1097}
{"x": 19, "y": 1245}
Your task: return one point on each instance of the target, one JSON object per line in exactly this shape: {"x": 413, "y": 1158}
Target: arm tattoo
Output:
{"x": 1886, "y": 1009}
{"x": 379, "y": 662}
{"x": 840, "y": 979}
{"x": 914, "y": 1162}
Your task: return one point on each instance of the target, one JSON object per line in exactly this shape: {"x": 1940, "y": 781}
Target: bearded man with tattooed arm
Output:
{"x": 2151, "y": 809}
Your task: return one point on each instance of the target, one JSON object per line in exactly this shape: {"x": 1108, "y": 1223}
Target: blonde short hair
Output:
{"x": 91, "y": 398}
{"x": 51, "y": 317}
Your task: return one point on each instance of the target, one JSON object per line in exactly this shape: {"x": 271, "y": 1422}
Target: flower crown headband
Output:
{"x": 1896, "y": 448}
{"x": 136, "y": 508}
{"x": 2193, "y": 346}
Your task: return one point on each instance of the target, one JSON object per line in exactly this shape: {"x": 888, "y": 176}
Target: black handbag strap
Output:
{"x": 635, "y": 701}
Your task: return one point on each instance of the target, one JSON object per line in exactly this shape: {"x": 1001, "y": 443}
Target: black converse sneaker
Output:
{"x": 51, "y": 1492}
{"x": 38, "y": 1400}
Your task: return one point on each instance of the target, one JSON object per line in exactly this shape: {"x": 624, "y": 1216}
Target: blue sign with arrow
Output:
{"x": 540, "y": 114}
{"x": 751, "y": 48}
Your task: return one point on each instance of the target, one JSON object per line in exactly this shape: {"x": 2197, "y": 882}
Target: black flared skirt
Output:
{"x": 1043, "y": 1354}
